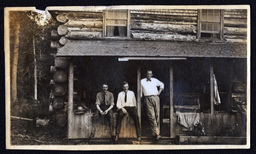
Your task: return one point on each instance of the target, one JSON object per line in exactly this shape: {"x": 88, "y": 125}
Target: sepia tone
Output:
{"x": 60, "y": 58}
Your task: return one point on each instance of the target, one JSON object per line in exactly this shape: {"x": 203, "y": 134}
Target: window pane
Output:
{"x": 203, "y": 26}
{"x": 116, "y": 14}
{"x": 116, "y": 31}
{"x": 216, "y": 27}
{"x": 113, "y": 22}
{"x": 210, "y": 21}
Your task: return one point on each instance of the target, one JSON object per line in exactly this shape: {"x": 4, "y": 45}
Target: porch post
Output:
{"x": 139, "y": 91}
{"x": 211, "y": 88}
{"x": 171, "y": 103}
{"x": 70, "y": 98}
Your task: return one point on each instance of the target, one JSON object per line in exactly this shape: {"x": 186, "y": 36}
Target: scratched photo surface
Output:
{"x": 127, "y": 77}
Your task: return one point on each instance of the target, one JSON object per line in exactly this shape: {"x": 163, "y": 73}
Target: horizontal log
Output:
{"x": 188, "y": 14}
{"x": 234, "y": 37}
{"x": 60, "y": 118}
{"x": 230, "y": 22}
{"x": 87, "y": 24}
{"x": 60, "y": 76}
{"x": 63, "y": 40}
{"x": 166, "y": 10}
{"x": 83, "y": 35}
{"x": 165, "y": 27}
{"x": 84, "y": 15}
{"x": 81, "y": 28}
{"x": 55, "y": 44}
{"x": 235, "y": 16}
{"x": 61, "y": 62}
{"x": 163, "y": 17}
{"x": 59, "y": 90}
{"x": 235, "y": 31}
{"x": 236, "y": 40}
{"x": 62, "y": 30}
{"x": 58, "y": 103}
{"x": 236, "y": 12}
{"x": 150, "y": 36}
{"x": 165, "y": 22}
{"x": 62, "y": 18}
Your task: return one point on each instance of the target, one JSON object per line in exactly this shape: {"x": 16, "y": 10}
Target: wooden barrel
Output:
{"x": 59, "y": 90}
{"x": 60, "y": 76}
{"x": 61, "y": 62}
{"x": 61, "y": 118}
{"x": 58, "y": 103}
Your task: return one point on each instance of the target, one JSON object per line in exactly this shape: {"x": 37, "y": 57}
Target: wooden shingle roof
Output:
{"x": 152, "y": 49}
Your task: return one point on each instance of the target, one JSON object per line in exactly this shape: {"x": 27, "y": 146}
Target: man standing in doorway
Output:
{"x": 104, "y": 104}
{"x": 126, "y": 103}
{"x": 151, "y": 89}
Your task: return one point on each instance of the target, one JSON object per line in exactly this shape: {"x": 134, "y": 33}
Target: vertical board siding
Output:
{"x": 218, "y": 124}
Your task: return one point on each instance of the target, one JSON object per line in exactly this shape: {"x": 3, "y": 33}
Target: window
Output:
{"x": 116, "y": 23}
{"x": 210, "y": 23}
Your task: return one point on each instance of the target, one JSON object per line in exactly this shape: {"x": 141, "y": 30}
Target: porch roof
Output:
{"x": 152, "y": 49}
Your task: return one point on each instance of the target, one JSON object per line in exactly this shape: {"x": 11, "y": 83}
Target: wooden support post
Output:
{"x": 172, "y": 135}
{"x": 211, "y": 88}
{"x": 70, "y": 98}
{"x": 128, "y": 23}
{"x": 199, "y": 24}
{"x": 229, "y": 97}
{"x": 221, "y": 24}
{"x": 139, "y": 91}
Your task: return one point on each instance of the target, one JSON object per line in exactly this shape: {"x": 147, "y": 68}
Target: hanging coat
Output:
{"x": 216, "y": 94}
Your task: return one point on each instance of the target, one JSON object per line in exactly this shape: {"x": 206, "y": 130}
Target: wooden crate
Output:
{"x": 81, "y": 126}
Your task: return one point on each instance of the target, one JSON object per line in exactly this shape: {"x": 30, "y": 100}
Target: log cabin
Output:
{"x": 196, "y": 52}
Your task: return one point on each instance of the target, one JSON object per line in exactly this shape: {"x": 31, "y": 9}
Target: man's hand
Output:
{"x": 105, "y": 112}
{"x": 124, "y": 110}
{"x": 101, "y": 112}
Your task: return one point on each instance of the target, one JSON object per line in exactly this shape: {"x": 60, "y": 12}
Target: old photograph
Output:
{"x": 127, "y": 77}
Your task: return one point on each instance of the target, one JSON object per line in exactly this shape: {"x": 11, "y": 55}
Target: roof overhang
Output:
{"x": 152, "y": 49}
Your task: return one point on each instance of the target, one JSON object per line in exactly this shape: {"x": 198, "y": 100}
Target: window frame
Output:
{"x": 199, "y": 24}
{"x": 127, "y": 25}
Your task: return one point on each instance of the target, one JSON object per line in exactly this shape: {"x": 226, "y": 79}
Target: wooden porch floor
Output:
{"x": 144, "y": 141}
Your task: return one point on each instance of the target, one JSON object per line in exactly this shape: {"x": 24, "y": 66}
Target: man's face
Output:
{"x": 105, "y": 88}
{"x": 149, "y": 74}
{"x": 125, "y": 87}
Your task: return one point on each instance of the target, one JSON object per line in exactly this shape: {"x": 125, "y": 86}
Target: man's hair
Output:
{"x": 104, "y": 84}
{"x": 125, "y": 82}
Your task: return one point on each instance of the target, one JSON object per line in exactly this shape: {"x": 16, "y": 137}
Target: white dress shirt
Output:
{"x": 130, "y": 102}
{"x": 150, "y": 87}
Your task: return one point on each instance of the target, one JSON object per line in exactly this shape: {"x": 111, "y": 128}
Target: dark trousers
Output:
{"x": 153, "y": 113}
{"x": 133, "y": 113}
{"x": 97, "y": 116}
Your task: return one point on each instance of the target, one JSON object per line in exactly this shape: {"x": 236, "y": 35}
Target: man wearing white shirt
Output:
{"x": 126, "y": 103}
{"x": 151, "y": 89}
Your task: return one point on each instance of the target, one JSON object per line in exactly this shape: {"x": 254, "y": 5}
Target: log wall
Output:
{"x": 235, "y": 25}
{"x": 172, "y": 25}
